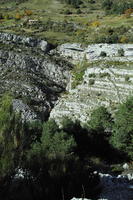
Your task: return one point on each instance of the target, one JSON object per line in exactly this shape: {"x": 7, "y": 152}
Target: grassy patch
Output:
{"x": 91, "y": 24}
{"x": 78, "y": 73}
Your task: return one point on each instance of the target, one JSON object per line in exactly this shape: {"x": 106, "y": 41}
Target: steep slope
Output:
{"x": 31, "y": 75}
{"x": 101, "y": 80}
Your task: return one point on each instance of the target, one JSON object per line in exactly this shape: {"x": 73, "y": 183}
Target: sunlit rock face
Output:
{"x": 106, "y": 81}
{"x": 77, "y": 52}
{"x": 102, "y": 85}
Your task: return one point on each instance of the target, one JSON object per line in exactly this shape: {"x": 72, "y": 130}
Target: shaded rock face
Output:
{"x": 34, "y": 78}
{"x": 115, "y": 187}
{"x": 118, "y": 188}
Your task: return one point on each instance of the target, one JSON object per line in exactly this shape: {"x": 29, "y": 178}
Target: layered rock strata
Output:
{"x": 103, "y": 84}
{"x": 78, "y": 52}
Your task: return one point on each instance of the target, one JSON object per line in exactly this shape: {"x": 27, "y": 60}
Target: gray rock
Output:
{"x": 26, "y": 113}
{"x": 8, "y": 38}
{"x": 109, "y": 89}
{"x": 125, "y": 166}
{"x": 93, "y": 52}
{"x": 44, "y": 46}
{"x": 37, "y": 80}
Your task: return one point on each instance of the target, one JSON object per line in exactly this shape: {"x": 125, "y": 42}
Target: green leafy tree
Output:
{"x": 107, "y": 4}
{"x": 100, "y": 119}
{"x": 55, "y": 159}
{"x": 54, "y": 143}
{"x": 122, "y": 137}
{"x": 15, "y": 136}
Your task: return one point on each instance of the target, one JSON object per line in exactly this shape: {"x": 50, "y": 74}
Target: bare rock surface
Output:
{"x": 101, "y": 86}
{"x": 32, "y": 77}
{"x": 8, "y": 38}
{"x": 77, "y": 52}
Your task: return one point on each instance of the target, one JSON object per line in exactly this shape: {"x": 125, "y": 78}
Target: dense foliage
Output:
{"x": 57, "y": 162}
{"x": 122, "y": 137}
{"x": 51, "y": 163}
{"x": 116, "y": 7}
{"x": 74, "y": 3}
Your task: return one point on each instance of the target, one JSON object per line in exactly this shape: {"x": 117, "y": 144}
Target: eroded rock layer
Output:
{"x": 103, "y": 83}
{"x": 30, "y": 75}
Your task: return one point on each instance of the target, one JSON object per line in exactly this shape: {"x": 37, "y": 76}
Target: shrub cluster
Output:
{"x": 48, "y": 155}
{"x": 74, "y": 3}
{"x": 53, "y": 158}
{"x": 116, "y": 7}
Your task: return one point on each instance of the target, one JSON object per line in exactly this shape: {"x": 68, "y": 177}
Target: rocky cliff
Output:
{"x": 78, "y": 52}
{"x": 34, "y": 78}
{"x": 104, "y": 80}
{"x": 37, "y": 74}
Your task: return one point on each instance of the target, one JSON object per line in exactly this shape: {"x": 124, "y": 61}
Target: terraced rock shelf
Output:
{"x": 104, "y": 83}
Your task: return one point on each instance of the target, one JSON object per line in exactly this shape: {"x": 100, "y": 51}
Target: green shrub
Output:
{"x": 100, "y": 119}
{"x": 103, "y": 54}
{"x": 91, "y": 81}
{"x": 107, "y": 4}
{"x": 93, "y": 75}
{"x": 78, "y": 11}
{"x": 78, "y": 72}
{"x": 116, "y": 7}
{"x": 54, "y": 143}
{"x": 1, "y": 16}
{"x": 67, "y": 12}
{"x": 110, "y": 39}
{"x": 127, "y": 78}
{"x": 120, "y": 52}
{"x": 122, "y": 137}
{"x": 105, "y": 74}
{"x": 92, "y": 1}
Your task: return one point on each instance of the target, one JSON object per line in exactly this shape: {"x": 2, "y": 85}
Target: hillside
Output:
{"x": 66, "y": 99}
{"x": 58, "y": 22}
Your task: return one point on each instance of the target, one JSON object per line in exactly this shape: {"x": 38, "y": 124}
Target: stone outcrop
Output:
{"x": 26, "y": 113}
{"x": 78, "y": 52}
{"x": 103, "y": 83}
{"x": 32, "y": 77}
{"x": 107, "y": 79}
{"x": 8, "y": 38}
{"x": 37, "y": 75}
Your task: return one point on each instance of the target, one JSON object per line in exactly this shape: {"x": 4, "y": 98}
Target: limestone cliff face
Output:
{"x": 34, "y": 77}
{"x": 106, "y": 81}
{"x": 37, "y": 75}
{"x": 77, "y": 52}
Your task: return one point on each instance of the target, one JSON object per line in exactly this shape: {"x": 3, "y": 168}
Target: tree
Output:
{"x": 15, "y": 136}
{"x": 107, "y": 4}
{"x": 54, "y": 142}
{"x": 100, "y": 120}
{"x": 123, "y": 127}
{"x": 57, "y": 168}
